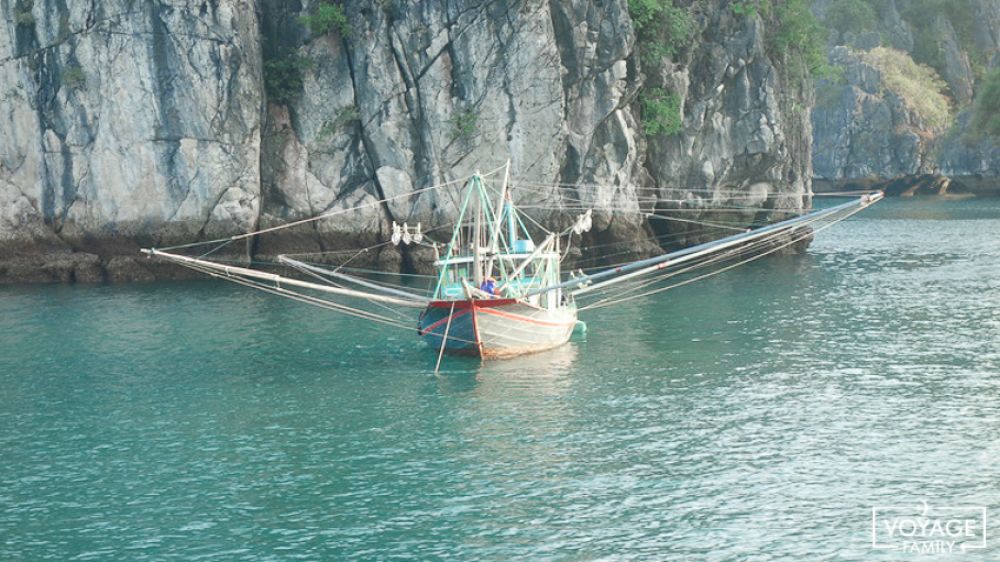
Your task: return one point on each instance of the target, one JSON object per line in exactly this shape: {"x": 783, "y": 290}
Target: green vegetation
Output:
{"x": 73, "y": 77}
{"x": 64, "y": 30}
{"x": 919, "y": 86}
{"x": 283, "y": 77}
{"x": 800, "y": 39}
{"x": 663, "y": 29}
{"x": 828, "y": 92}
{"x": 22, "y": 13}
{"x": 464, "y": 123}
{"x": 327, "y": 16}
{"x": 851, "y": 15}
{"x": 661, "y": 112}
{"x": 24, "y": 18}
{"x": 644, "y": 12}
{"x": 749, "y": 8}
{"x": 922, "y": 16}
{"x": 344, "y": 116}
{"x": 794, "y": 35}
{"x": 986, "y": 115}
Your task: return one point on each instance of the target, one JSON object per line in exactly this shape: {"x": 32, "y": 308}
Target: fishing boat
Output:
{"x": 496, "y": 292}
{"x": 490, "y": 299}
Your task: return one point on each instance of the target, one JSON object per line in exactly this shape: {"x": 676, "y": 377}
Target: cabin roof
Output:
{"x": 469, "y": 259}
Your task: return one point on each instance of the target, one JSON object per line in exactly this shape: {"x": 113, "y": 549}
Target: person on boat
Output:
{"x": 489, "y": 287}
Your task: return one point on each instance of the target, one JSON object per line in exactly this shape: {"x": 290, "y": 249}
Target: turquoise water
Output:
{"x": 756, "y": 415}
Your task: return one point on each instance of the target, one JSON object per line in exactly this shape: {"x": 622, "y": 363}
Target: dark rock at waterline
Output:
{"x": 925, "y": 184}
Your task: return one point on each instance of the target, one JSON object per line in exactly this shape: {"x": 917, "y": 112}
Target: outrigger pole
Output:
{"x": 352, "y": 279}
{"x": 621, "y": 273}
{"x": 235, "y": 271}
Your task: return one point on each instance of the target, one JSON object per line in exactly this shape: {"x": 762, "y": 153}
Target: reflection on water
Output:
{"x": 759, "y": 413}
{"x": 549, "y": 370}
{"x": 545, "y": 373}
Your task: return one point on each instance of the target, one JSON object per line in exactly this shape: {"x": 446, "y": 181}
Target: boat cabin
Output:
{"x": 514, "y": 273}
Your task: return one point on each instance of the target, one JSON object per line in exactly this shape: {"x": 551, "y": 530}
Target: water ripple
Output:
{"x": 758, "y": 415}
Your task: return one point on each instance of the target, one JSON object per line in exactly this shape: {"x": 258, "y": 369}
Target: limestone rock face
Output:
{"x": 972, "y": 160}
{"x": 418, "y": 94}
{"x": 863, "y": 130}
{"x": 865, "y": 136}
{"x": 125, "y": 122}
{"x": 441, "y": 90}
{"x": 148, "y": 123}
{"x": 957, "y": 71}
{"x": 745, "y": 135}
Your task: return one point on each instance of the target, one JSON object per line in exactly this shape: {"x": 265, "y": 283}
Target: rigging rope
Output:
{"x": 601, "y": 304}
{"x": 712, "y": 258}
{"x": 331, "y": 282}
{"x": 301, "y": 297}
{"x": 311, "y": 300}
{"x": 719, "y": 204}
{"x": 329, "y": 213}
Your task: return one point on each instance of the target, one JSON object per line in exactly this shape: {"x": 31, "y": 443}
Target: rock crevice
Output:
{"x": 126, "y": 126}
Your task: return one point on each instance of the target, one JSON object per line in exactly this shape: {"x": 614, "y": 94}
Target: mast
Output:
{"x": 511, "y": 222}
{"x": 541, "y": 249}
{"x": 456, "y": 238}
{"x": 495, "y": 242}
{"x": 477, "y": 259}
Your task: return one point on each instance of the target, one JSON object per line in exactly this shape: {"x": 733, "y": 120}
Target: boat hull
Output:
{"x": 495, "y": 328}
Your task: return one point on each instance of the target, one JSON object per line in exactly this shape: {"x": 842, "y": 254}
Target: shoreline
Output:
{"x": 34, "y": 264}
{"x": 69, "y": 267}
{"x": 923, "y": 184}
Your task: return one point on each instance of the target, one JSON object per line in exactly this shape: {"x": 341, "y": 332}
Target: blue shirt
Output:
{"x": 489, "y": 286}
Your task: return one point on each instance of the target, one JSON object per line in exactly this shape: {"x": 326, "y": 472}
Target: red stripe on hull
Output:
{"x": 443, "y": 320}
{"x": 526, "y": 319}
{"x": 478, "y": 303}
{"x": 500, "y": 341}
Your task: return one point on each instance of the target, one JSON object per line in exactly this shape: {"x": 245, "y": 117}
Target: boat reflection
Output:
{"x": 552, "y": 365}
{"x": 545, "y": 373}
{"x": 517, "y": 412}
